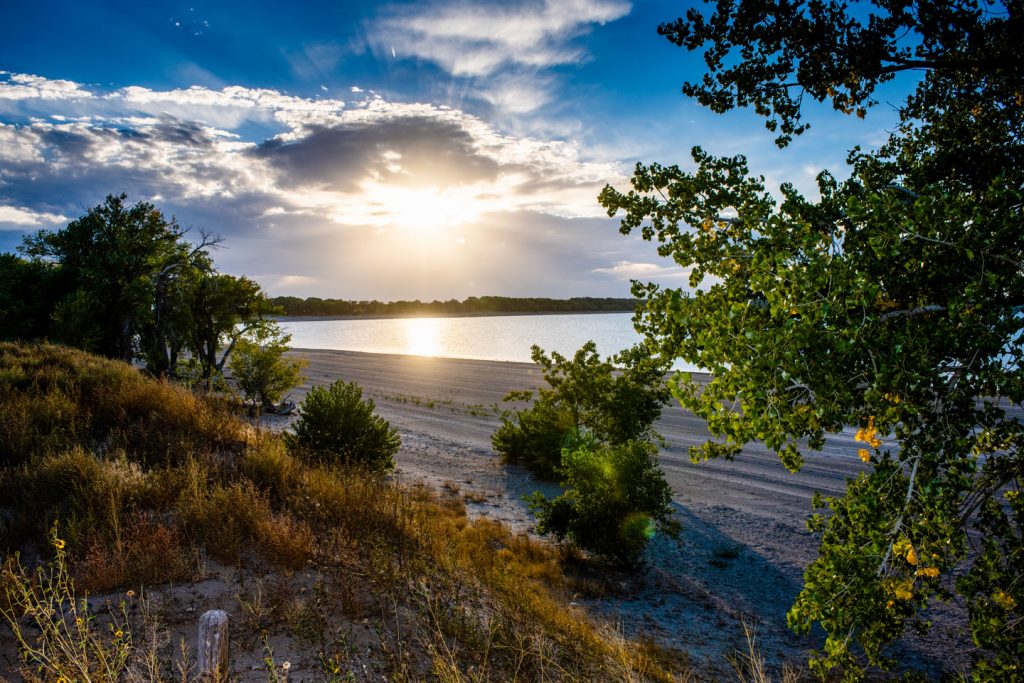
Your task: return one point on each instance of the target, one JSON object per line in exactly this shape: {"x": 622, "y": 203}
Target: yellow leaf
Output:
{"x": 1003, "y": 600}
{"x": 865, "y": 454}
{"x": 911, "y": 555}
{"x": 930, "y": 572}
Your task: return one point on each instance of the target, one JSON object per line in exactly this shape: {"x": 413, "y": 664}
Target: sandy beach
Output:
{"x": 744, "y": 545}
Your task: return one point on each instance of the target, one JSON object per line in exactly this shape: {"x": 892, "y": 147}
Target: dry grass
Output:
{"x": 144, "y": 479}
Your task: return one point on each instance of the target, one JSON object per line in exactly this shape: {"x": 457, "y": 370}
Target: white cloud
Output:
{"x": 511, "y": 42}
{"x": 29, "y": 86}
{"x": 477, "y": 40}
{"x": 344, "y": 164}
{"x": 15, "y": 218}
{"x": 517, "y": 94}
{"x": 351, "y": 194}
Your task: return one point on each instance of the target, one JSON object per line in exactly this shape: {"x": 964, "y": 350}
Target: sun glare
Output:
{"x": 422, "y": 209}
{"x": 423, "y": 336}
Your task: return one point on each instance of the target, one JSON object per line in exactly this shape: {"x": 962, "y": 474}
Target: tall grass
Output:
{"x": 145, "y": 479}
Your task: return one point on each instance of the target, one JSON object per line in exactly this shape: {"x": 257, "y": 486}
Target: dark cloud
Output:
{"x": 337, "y": 157}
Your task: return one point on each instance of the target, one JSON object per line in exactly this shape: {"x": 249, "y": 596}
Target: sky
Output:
{"x": 374, "y": 150}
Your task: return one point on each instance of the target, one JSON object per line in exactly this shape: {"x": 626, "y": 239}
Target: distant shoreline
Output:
{"x": 402, "y": 316}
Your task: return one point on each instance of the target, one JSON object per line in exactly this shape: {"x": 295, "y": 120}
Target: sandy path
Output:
{"x": 744, "y": 544}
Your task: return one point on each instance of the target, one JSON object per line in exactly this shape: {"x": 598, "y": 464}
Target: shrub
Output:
{"x": 336, "y": 426}
{"x": 616, "y": 400}
{"x": 616, "y": 498}
{"x": 260, "y": 369}
{"x": 534, "y": 437}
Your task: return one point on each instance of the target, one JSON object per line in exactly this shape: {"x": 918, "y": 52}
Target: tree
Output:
{"x": 115, "y": 254}
{"x": 616, "y": 499}
{"x": 893, "y": 303}
{"x": 26, "y": 298}
{"x": 616, "y": 400}
{"x": 261, "y": 371}
{"x": 127, "y": 284}
{"x": 221, "y": 311}
{"x": 337, "y": 426}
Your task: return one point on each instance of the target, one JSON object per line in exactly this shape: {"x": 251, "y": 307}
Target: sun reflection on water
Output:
{"x": 423, "y": 336}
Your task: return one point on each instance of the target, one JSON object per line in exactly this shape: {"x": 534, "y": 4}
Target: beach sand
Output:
{"x": 744, "y": 544}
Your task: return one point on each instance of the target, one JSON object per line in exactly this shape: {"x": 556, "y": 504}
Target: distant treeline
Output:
{"x": 295, "y": 306}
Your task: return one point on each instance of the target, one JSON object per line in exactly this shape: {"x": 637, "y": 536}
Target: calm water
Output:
{"x": 506, "y": 338}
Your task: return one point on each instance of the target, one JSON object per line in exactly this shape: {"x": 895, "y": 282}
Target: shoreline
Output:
{"x": 744, "y": 544}
{"x": 407, "y": 316}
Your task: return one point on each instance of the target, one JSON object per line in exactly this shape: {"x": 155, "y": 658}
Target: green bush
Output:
{"x": 616, "y": 499}
{"x": 337, "y": 426}
{"x": 260, "y": 369}
{"x": 534, "y": 437}
{"x": 615, "y": 400}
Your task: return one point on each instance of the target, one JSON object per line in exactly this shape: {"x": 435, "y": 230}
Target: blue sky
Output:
{"x": 373, "y": 149}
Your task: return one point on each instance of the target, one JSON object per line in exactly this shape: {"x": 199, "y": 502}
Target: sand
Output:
{"x": 744, "y": 544}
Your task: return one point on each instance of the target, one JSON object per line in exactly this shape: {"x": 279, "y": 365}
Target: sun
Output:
{"x": 422, "y": 209}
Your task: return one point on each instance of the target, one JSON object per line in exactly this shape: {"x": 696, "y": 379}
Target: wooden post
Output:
{"x": 213, "y": 646}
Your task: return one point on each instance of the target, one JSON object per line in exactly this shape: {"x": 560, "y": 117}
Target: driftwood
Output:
{"x": 213, "y": 646}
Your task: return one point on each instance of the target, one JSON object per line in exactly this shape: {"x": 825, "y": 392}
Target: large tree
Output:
{"x": 891, "y": 303}
{"x": 130, "y": 285}
{"x": 115, "y": 253}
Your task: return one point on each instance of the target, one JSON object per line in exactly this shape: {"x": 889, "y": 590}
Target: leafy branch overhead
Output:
{"x": 769, "y": 55}
{"x": 891, "y": 303}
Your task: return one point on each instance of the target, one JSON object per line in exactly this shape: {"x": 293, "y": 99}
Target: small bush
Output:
{"x": 616, "y": 400}
{"x": 337, "y": 426}
{"x": 534, "y": 437}
{"x": 616, "y": 498}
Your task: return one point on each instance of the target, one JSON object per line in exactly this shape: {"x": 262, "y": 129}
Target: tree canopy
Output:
{"x": 124, "y": 281}
{"x": 891, "y": 303}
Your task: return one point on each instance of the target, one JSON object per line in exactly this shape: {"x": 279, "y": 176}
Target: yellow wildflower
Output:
{"x": 930, "y": 572}
{"x": 911, "y": 555}
{"x": 58, "y": 543}
{"x": 865, "y": 454}
{"x": 1003, "y": 600}
{"x": 903, "y": 594}
{"x": 118, "y": 633}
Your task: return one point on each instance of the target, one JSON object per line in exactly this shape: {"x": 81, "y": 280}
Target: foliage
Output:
{"x": 615, "y": 499}
{"x": 495, "y": 603}
{"x": 770, "y": 55}
{"x": 74, "y": 321}
{"x": 259, "y": 367}
{"x": 892, "y": 303}
{"x": 337, "y": 426}
{"x": 616, "y": 400}
{"x": 26, "y": 298}
{"x": 123, "y": 281}
{"x": 223, "y": 310}
{"x": 68, "y": 641}
{"x": 115, "y": 253}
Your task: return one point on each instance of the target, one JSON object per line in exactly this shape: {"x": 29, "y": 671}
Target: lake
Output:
{"x": 502, "y": 338}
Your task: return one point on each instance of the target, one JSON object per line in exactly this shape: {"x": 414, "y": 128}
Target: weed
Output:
{"x": 74, "y": 643}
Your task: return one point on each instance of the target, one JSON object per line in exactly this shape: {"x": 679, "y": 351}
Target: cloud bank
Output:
{"x": 367, "y": 198}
